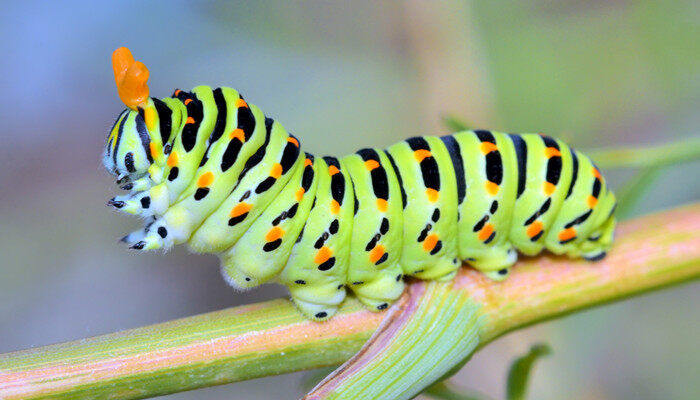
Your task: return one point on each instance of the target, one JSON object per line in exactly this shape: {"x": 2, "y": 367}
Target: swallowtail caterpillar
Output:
{"x": 209, "y": 169}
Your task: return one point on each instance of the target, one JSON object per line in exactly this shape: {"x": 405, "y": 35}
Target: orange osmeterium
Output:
{"x": 131, "y": 77}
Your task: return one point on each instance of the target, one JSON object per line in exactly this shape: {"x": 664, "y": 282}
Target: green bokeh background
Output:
{"x": 339, "y": 75}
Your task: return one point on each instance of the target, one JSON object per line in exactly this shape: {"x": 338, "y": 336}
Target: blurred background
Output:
{"x": 339, "y": 76}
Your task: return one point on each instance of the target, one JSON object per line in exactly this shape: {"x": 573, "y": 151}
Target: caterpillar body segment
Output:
{"x": 429, "y": 197}
{"x": 374, "y": 274}
{"x": 270, "y": 238}
{"x": 485, "y": 212}
{"x": 316, "y": 270}
{"x": 208, "y": 169}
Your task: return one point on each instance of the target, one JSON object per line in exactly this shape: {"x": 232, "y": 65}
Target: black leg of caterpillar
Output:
{"x": 123, "y": 179}
{"x": 115, "y": 203}
{"x": 138, "y": 245}
{"x": 149, "y": 242}
{"x": 139, "y": 185}
{"x": 596, "y": 257}
{"x": 153, "y": 236}
{"x": 134, "y": 203}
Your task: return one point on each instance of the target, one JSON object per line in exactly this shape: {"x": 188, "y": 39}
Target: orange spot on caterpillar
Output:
{"x": 177, "y": 92}
{"x": 485, "y": 232}
{"x": 596, "y": 173}
{"x": 274, "y": 234}
{"x": 155, "y": 149}
{"x": 172, "y": 159}
{"x": 131, "y": 78}
{"x": 332, "y": 170}
{"x": 382, "y": 205}
{"x": 567, "y": 234}
{"x": 548, "y": 188}
{"x": 293, "y": 141}
{"x": 188, "y": 101}
{"x": 241, "y": 103}
{"x": 299, "y": 194}
{"x": 371, "y": 164}
{"x": 430, "y": 242}
{"x": 149, "y": 116}
{"x": 592, "y": 201}
{"x": 491, "y": 188}
{"x": 189, "y": 120}
{"x": 206, "y": 179}
{"x": 376, "y": 253}
{"x": 322, "y": 255}
{"x": 276, "y": 170}
{"x": 335, "y": 207}
{"x": 432, "y": 194}
{"x": 308, "y": 162}
{"x": 534, "y": 229}
{"x": 421, "y": 154}
{"x": 237, "y": 134}
{"x": 550, "y": 152}
{"x": 487, "y": 147}
{"x": 240, "y": 209}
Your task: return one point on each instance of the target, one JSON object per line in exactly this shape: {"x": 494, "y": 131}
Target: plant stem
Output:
{"x": 272, "y": 338}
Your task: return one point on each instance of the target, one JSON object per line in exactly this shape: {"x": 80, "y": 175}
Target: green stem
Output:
{"x": 272, "y": 338}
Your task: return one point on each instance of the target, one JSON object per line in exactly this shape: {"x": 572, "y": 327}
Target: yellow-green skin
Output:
{"x": 208, "y": 169}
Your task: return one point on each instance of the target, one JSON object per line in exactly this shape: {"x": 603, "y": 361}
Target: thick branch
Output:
{"x": 272, "y": 338}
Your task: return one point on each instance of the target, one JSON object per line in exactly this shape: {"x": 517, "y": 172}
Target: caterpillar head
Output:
{"x": 128, "y": 150}
{"x": 127, "y": 153}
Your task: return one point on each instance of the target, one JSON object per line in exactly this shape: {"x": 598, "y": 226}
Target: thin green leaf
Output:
{"x": 520, "y": 371}
{"x": 444, "y": 391}
{"x": 629, "y": 195}
{"x": 455, "y": 124}
{"x": 686, "y": 149}
{"x": 313, "y": 377}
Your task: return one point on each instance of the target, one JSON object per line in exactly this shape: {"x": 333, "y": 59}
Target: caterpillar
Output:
{"x": 209, "y": 169}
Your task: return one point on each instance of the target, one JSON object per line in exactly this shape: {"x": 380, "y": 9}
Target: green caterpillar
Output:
{"x": 208, "y": 169}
